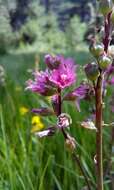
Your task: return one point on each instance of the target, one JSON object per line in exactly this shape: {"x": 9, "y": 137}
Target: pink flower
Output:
{"x": 84, "y": 91}
{"x": 60, "y": 74}
{"x": 65, "y": 74}
{"x": 41, "y": 84}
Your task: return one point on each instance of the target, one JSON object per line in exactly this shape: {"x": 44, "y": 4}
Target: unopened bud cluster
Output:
{"x": 103, "y": 52}
{"x": 102, "y": 62}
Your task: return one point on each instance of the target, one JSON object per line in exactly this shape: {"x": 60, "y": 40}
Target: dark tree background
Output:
{"x": 19, "y": 14}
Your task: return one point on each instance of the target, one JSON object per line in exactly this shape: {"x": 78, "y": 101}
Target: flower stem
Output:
{"x": 99, "y": 156}
{"x": 99, "y": 102}
{"x": 107, "y": 37}
{"x": 59, "y": 102}
{"x": 75, "y": 157}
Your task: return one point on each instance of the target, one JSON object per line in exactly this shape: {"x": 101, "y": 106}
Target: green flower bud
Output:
{"x": 104, "y": 62}
{"x": 111, "y": 51}
{"x": 92, "y": 71}
{"x": 97, "y": 50}
{"x": 105, "y": 6}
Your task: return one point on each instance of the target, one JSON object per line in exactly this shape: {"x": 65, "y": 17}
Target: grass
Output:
{"x": 27, "y": 162}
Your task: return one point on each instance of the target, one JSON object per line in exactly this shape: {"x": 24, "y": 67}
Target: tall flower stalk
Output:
{"x": 60, "y": 74}
{"x": 99, "y": 109}
{"x": 103, "y": 61}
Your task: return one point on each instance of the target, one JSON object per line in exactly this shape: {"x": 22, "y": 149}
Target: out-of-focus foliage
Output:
{"x": 41, "y": 31}
{"x": 8, "y": 38}
{"x": 6, "y": 35}
{"x": 75, "y": 32}
{"x": 42, "y": 34}
{"x": 2, "y": 76}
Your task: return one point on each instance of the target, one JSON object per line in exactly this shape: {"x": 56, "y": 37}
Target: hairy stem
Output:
{"x": 99, "y": 102}
{"x": 59, "y": 102}
{"x": 99, "y": 156}
{"x": 75, "y": 157}
{"x": 107, "y": 37}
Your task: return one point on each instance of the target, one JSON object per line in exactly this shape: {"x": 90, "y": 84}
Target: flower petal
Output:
{"x": 88, "y": 125}
{"x": 48, "y": 132}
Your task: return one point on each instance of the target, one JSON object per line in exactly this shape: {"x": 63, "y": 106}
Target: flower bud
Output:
{"x": 105, "y": 6}
{"x": 104, "y": 62}
{"x": 70, "y": 143}
{"x": 43, "y": 111}
{"x": 92, "y": 71}
{"x": 111, "y": 51}
{"x": 64, "y": 120}
{"x": 97, "y": 50}
{"x": 52, "y": 61}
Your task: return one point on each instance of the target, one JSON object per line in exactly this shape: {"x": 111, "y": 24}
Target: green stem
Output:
{"x": 75, "y": 157}
{"x": 99, "y": 156}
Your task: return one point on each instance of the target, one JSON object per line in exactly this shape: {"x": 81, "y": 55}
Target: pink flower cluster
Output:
{"x": 61, "y": 73}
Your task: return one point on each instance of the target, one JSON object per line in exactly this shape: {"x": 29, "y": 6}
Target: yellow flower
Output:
{"x": 23, "y": 110}
{"x": 37, "y": 124}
